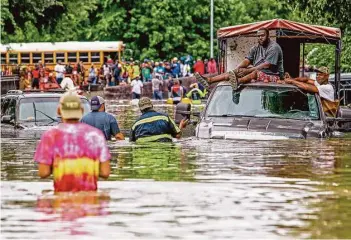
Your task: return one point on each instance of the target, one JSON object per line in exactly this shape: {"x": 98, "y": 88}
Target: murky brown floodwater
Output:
{"x": 192, "y": 189}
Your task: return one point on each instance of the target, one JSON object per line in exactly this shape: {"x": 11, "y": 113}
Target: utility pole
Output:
{"x": 211, "y": 54}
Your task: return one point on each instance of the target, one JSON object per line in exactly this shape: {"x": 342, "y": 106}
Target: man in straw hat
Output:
{"x": 74, "y": 152}
{"x": 153, "y": 126}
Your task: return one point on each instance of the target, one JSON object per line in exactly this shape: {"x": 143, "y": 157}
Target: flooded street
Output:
{"x": 192, "y": 189}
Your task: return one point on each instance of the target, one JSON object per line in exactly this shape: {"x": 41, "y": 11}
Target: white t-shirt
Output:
{"x": 326, "y": 91}
{"x": 67, "y": 84}
{"x": 106, "y": 70}
{"x": 137, "y": 85}
{"x": 59, "y": 69}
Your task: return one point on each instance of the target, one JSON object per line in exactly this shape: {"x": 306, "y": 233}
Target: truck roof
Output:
{"x": 261, "y": 84}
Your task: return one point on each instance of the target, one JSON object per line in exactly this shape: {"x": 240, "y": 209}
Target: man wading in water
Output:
{"x": 267, "y": 61}
{"x": 74, "y": 152}
{"x": 153, "y": 126}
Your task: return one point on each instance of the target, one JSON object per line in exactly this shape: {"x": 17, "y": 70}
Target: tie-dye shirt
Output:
{"x": 75, "y": 152}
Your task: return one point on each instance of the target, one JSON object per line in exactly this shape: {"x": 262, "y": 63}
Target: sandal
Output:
{"x": 233, "y": 80}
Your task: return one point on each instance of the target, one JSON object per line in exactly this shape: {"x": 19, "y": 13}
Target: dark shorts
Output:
{"x": 135, "y": 95}
{"x": 59, "y": 80}
{"x": 35, "y": 83}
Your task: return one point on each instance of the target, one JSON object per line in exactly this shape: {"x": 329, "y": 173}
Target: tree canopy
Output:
{"x": 159, "y": 29}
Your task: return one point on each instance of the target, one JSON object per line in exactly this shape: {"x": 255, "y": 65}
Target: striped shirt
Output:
{"x": 154, "y": 127}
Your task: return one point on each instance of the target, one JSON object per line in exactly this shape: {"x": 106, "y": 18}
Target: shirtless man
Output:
{"x": 266, "y": 59}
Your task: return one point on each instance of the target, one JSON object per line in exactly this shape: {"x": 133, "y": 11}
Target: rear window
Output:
{"x": 45, "y": 108}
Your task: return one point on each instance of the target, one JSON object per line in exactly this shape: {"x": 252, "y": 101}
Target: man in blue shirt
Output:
{"x": 153, "y": 126}
{"x": 102, "y": 120}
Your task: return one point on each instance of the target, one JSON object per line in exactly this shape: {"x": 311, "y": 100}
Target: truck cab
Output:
{"x": 264, "y": 111}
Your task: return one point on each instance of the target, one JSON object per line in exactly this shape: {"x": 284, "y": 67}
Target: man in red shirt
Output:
{"x": 199, "y": 66}
{"x": 35, "y": 81}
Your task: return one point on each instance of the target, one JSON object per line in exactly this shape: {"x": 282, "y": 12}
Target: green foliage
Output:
{"x": 329, "y": 13}
{"x": 158, "y": 29}
{"x": 152, "y": 29}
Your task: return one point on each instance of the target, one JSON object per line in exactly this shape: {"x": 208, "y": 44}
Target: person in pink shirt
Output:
{"x": 212, "y": 66}
{"x": 75, "y": 153}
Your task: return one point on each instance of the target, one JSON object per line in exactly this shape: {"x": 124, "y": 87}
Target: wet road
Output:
{"x": 192, "y": 189}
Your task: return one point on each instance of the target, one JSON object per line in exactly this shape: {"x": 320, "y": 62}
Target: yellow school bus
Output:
{"x": 29, "y": 54}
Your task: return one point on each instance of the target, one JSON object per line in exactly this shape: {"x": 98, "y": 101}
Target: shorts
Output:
{"x": 261, "y": 77}
{"x": 135, "y": 95}
{"x": 35, "y": 83}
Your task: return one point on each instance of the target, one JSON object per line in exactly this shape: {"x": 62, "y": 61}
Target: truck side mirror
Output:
{"x": 183, "y": 110}
{"x": 7, "y": 118}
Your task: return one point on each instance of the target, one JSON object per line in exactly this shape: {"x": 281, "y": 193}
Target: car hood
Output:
{"x": 27, "y": 130}
{"x": 259, "y": 128}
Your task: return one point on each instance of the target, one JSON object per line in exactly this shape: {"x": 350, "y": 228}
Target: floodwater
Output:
{"x": 192, "y": 189}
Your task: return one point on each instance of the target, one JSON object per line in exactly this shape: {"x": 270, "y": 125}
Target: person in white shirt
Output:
{"x": 137, "y": 86}
{"x": 321, "y": 85}
{"x": 67, "y": 84}
{"x": 60, "y": 70}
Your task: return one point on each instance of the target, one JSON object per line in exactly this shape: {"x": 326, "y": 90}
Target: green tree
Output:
{"x": 329, "y": 13}
{"x": 152, "y": 29}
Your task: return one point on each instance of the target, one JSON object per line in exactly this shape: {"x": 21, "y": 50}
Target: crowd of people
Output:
{"x": 112, "y": 73}
{"x": 124, "y": 72}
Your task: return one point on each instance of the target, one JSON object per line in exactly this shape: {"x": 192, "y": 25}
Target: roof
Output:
{"x": 261, "y": 84}
{"x": 38, "y": 95}
{"x": 280, "y": 24}
{"x": 62, "y": 46}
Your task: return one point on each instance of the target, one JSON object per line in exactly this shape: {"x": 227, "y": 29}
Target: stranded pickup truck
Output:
{"x": 268, "y": 111}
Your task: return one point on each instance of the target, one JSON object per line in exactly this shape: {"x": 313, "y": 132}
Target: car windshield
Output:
{"x": 46, "y": 108}
{"x": 290, "y": 103}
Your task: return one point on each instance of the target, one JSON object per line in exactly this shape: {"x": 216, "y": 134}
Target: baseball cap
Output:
{"x": 70, "y": 106}
{"x": 96, "y": 102}
{"x": 145, "y": 103}
{"x": 323, "y": 70}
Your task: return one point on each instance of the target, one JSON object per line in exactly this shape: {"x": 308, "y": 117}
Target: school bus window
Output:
{"x": 72, "y": 57}
{"x": 25, "y": 58}
{"x": 95, "y": 57}
{"x": 48, "y": 57}
{"x": 3, "y": 58}
{"x": 36, "y": 57}
{"x": 83, "y": 56}
{"x": 60, "y": 56}
{"x": 13, "y": 58}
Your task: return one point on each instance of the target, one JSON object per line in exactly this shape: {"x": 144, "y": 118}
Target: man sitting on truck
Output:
{"x": 321, "y": 86}
{"x": 266, "y": 59}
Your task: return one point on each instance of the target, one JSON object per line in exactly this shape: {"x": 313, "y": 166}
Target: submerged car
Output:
{"x": 267, "y": 111}
{"x": 31, "y": 111}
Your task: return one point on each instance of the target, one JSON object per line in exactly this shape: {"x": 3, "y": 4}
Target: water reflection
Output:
{"x": 192, "y": 189}
{"x": 157, "y": 161}
{"x": 72, "y": 206}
